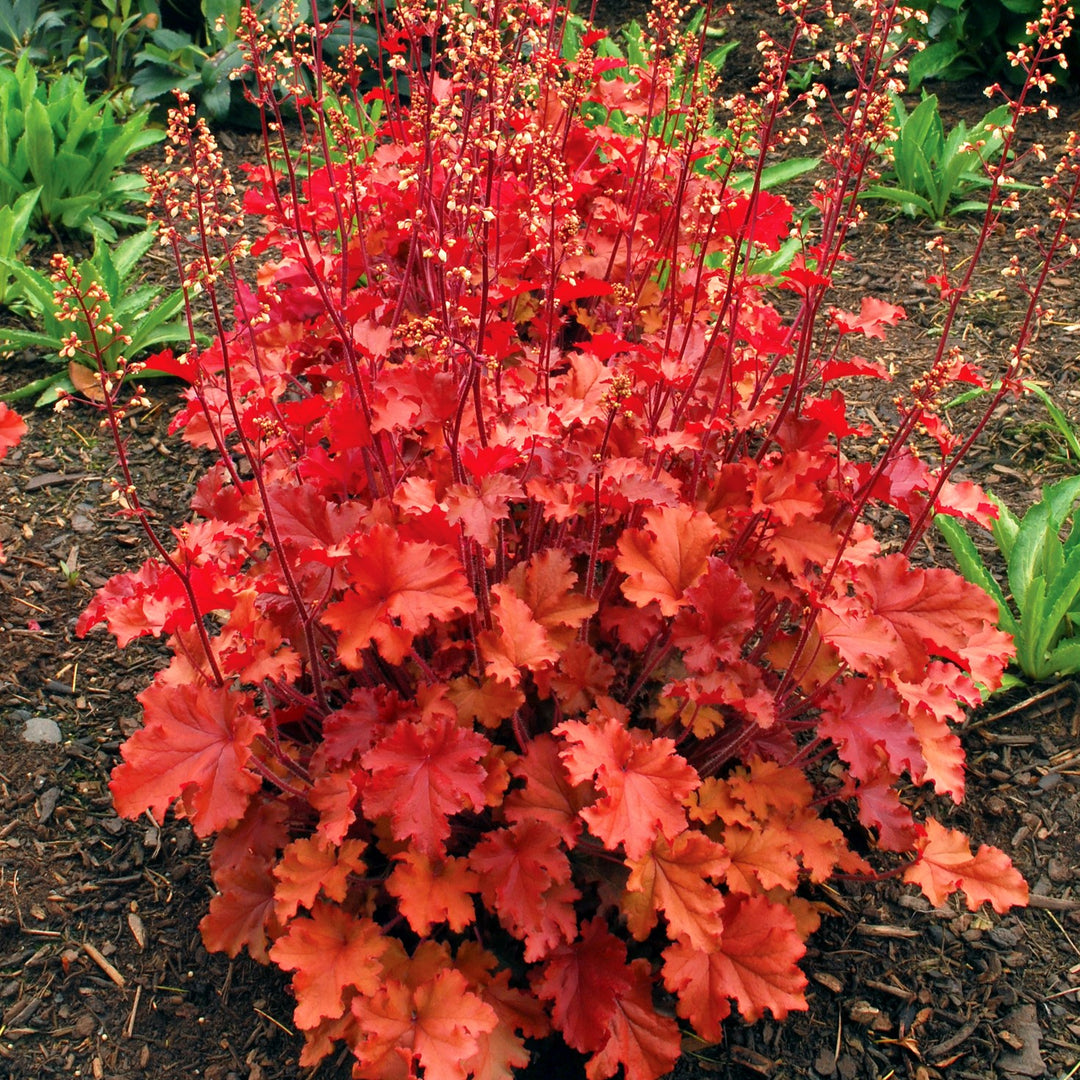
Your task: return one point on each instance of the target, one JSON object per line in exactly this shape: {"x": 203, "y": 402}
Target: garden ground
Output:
{"x": 102, "y": 972}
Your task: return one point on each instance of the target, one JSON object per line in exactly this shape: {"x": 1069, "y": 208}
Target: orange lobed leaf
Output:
{"x": 432, "y": 1018}
{"x": 946, "y": 865}
{"x": 646, "y": 783}
{"x": 546, "y": 583}
{"x": 548, "y": 794}
{"x": 520, "y": 1014}
{"x": 329, "y": 951}
{"x": 519, "y": 642}
{"x": 665, "y": 559}
{"x": 310, "y": 864}
{"x": 423, "y": 774}
{"x": 242, "y": 915}
{"x": 902, "y": 616}
{"x": 756, "y": 964}
{"x": 674, "y": 878}
{"x": 194, "y": 746}
{"x": 431, "y": 891}
{"x": 760, "y": 858}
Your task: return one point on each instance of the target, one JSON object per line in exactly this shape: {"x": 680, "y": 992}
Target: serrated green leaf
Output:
{"x": 1064, "y": 659}
{"x": 1062, "y": 591}
{"x": 1032, "y": 611}
{"x": 1025, "y": 559}
{"x": 1004, "y": 527}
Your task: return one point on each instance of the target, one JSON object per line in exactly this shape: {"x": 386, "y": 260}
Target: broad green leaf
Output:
{"x": 899, "y": 196}
{"x": 1061, "y": 498}
{"x": 40, "y": 149}
{"x": 784, "y": 171}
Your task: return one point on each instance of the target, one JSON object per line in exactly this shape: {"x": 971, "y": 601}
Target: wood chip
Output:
{"x": 872, "y": 930}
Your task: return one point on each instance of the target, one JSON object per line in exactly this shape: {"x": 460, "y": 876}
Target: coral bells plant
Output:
{"x": 533, "y": 654}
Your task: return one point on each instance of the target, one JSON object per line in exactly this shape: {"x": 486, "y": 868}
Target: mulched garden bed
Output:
{"x": 102, "y": 970}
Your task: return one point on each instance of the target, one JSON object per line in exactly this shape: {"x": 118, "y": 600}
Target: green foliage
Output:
{"x": 203, "y": 64}
{"x": 14, "y": 233}
{"x": 968, "y": 37}
{"x": 31, "y": 28}
{"x": 1043, "y": 578}
{"x": 200, "y": 66}
{"x": 146, "y": 315}
{"x": 931, "y": 170}
{"x": 71, "y": 149}
{"x": 114, "y": 32}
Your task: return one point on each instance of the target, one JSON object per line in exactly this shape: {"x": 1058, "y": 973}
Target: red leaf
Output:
{"x": 711, "y": 628}
{"x": 525, "y": 878}
{"x": 868, "y": 721}
{"x": 330, "y": 952}
{"x": 397, "y": 588}
{"x": 584, "y": 980}
{"x": 12, "y": 428}
{"x": 903, "y": 616}
{"x": 421, "y": 775}
{"x": 548, "y": 794}
{"x": 756, "y": 964}
{"x": 874, "y": 316}
{"x": 645, "y": 782}
{"x": 241, "y": 915}
{"x": 945, "y": 865}
{"x": 646, "y": 1044}
{"x": 194, "y": 745}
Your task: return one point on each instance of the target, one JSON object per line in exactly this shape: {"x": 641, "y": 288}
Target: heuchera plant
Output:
{"x": 532, "y": 650}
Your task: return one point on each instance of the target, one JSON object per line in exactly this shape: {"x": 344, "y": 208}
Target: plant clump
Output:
{"x": 533, "y": 653}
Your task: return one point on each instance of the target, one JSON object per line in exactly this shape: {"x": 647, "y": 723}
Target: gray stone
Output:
{"x": 40, "y": 729}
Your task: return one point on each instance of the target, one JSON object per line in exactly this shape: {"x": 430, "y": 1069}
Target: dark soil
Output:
{"x": 102, "y": 972}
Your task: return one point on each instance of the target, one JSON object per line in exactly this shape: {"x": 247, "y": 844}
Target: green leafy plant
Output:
{"x": 139, "y": 316}
{"x": 969, "y": 37}
{"x": 200, "y": 65}
{"x": 1043, "y": 577}
{"x": 204, "y": 63}
{"x": 115, "y": 31}
{"x": 931, "y": 170}
{"x": 54, "y": 139}
{"x": 31, "y": 28}
{"x": 14, "y": 233}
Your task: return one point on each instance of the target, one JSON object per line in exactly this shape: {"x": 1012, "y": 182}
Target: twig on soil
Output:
{"x": 1052, "y": 903}
{"x": 1020, "y": 706}
{"x": 104, "y": 964}
{"x": 129, "y": 1027}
